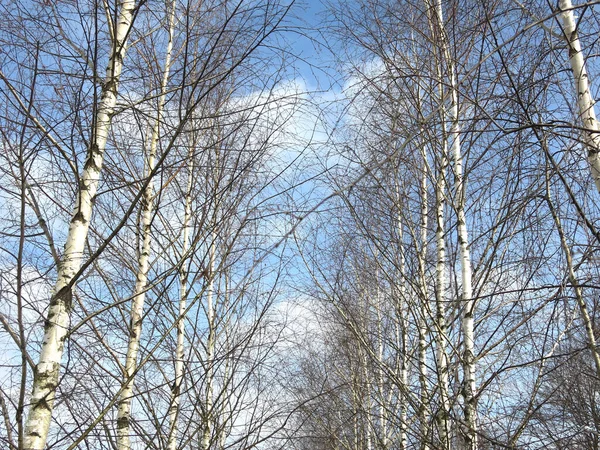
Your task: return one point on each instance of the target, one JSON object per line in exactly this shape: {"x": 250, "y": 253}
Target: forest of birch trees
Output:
{"x": 317, "y": 225}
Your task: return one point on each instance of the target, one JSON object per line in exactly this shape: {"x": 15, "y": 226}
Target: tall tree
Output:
{"x": 585, "y": 100}
{"x": 47, "y": 370}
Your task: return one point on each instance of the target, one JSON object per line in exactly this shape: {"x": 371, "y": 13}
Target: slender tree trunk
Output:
{"x": 355, "y": 412}
{"x": 367, "y": 421}
{"x": 383, "y": 416}
{"x": 183, "y": 279}
{"x": 364, "y": 394}
{"x": 210, "y": 346}
{"x": 441, "y": 282}
{"x": 227, "y": 409}
{"x": 47, "y": 370}
{"x": 24, "y": 187}
{"x": 141, "y": 285}
{"x": 587, "y": 321}
{"x": 585, "y": 101}
{"x": 403, "y": 370}
{"x": 441, "y": 336}
{"x": 422, "y": 327}
{"x": 401, "y": 313}
{"x": 468, "y": 303}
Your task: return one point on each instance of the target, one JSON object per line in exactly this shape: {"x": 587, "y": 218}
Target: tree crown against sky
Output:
{"x": 355, "y": 224}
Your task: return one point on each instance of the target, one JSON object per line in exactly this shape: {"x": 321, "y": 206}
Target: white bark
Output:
{"x": 210, "y": 347}
{"x": 585, "y": 316}
{"x": 441, "y": 337}
{"x": 422, "y": 256}
{"x": 141, "y": 285}
{"x": 183, "y": 278}
{"x": 47, "y": 370}
{"x": 227, "y": 407}
{"x": 383, "y": 415}
{"x": 367, "y": 422}
{"x": 403, "y": 374}
{"x": 585, "y": 101}
{"x": 440, "y": 319}
{"x": 468, "y": 303}
{"x": 403, "y": 325}
{"x": 355, "y": 412}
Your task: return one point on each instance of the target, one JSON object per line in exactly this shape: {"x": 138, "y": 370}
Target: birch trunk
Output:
{"x": 183, "y": 278}
{"x": 383, "y": 416}
{"x": 468, "y": 303}
{"x": 422, "y": 256}
{"x": 441, "y": 336}
{"x": 210, "y": 347}
{"x": 227, "y": 408}
{"x": 368, "y": 429}
{"x": 403, "y": 369}
{"x": 585, "y": 101}
{"x": 47, "y": 370}
{"x": 467, "y": 297}
{"x": 402, "y": 327}
{"x": 441, "y": 282}
{"x": 139, "y": 296}
{"x": 355, "y": 414}
{"x": 587, "y": 321}
{"x": 364, "y": 394}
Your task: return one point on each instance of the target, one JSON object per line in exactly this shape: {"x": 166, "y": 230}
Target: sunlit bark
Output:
{"x": 468, "y": 303}
{"x": 423, "y": 313}
{"x": 585, "y": 101}
{"x": 57, "y": 322}
{"x": 585, "y": 315}
{"x": 183, "y": 280}
{"x": 208, "y": 418}
{"x": 141, "y": 285}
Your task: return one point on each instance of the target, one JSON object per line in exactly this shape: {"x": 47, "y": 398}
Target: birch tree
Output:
{"x": 48, "y": 367}
{"x": 324, "y": 309}
{"x": 141, "y": 285}
{"x": 182, "y": 307}
{"x": 89, "y": 317}
{"x": 441, "y": 169}
{"x": 585, "y": 100}
{"x": 463, "y": 237}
